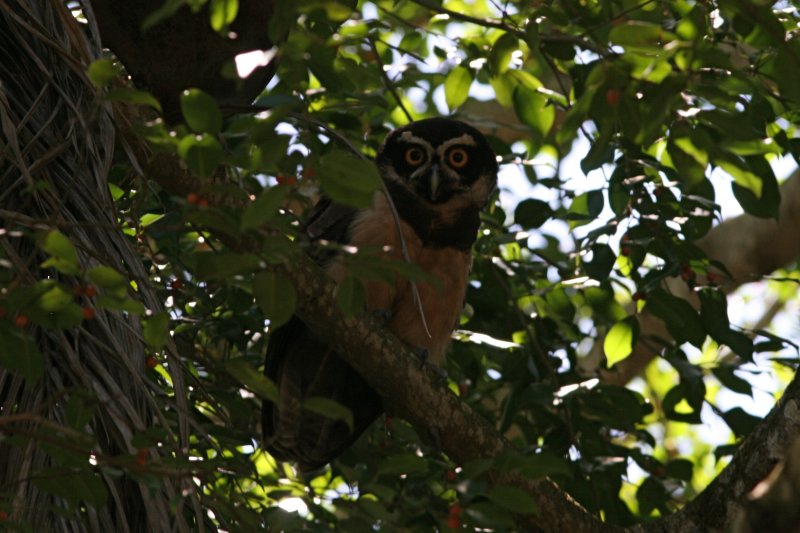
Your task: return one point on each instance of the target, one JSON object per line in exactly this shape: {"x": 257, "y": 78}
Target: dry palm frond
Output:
{"x": 56, "y": 148}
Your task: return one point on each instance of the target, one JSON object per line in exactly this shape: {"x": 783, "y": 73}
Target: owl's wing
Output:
{"x": 304, "y": 366}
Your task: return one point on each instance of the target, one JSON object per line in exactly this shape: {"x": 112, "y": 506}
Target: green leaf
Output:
{"x": 500, "y": 56}
{"x": 682, "y": 469}
{"x": 222, "y": 13}
{"x": 115, "y": 303}
{"x": 202, "y": 154}
{"x": 55, "y": 299}
{"x": 513, "y": 499}
{"x": 63, "y": 256}
{"x": 682, "y": 321}
{"x": 275, "y": 295}
{"x": 223, "y": 265}
{"x": 743, "y": 177}
{"x": 602, "y": 262}
{"x": 403, "y": 464}
{"x": 165, "y": 11}
{"x": 602, "y": 150}
{"x": 156, "y": 330}
{"x": 201, "y": 111}
{"x": 259, "y": 384}
{"x": 504, "y": 86}
{"x": 765, "y": 205}
{"x": 106, "y": 277}
{"x": 543, "y": 464}
{"x": 620, "y": 340}
{"x": 74, "y": 486}
{"x": 102, "y": 72}
{"x": 714, "y": 313}
{"x": 265, "y": 207}
{"x": 532, "y": 213}
{"x": 348, "y": 179}
{"x": 725, "y": 374}
{"x": 651, "y": 495}
{"x": 532, "y": 109}
{"x": 80, "y": 410}
{"x": 740, "y": 421}
{"x": 329, "y": 409}
{"x": 133, "y": 96}
{"x": 19, "y": 354}
{"x": 350, "y": 295}
{"x": 636, "y": 34}
{"x": 456, "y": 87}
{"x": 585, "y": 208}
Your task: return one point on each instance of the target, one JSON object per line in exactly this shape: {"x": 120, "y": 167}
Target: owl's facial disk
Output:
{"x": 439, "y": 159}
{"x": 434, "y": 171}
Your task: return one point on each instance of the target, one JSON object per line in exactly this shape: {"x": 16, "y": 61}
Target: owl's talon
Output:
{"x": 422, "y": 354}
{"x": 433, "y": 433}
{"x": 439, "y": 373}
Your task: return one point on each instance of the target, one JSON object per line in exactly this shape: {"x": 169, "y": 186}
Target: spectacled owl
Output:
{"x": 439, "y": 173}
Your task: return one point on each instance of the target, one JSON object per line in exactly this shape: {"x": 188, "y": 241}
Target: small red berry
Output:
{"x": 687, "y": 274}
{"x": 3, "y": 516}
{"x": 90, "y": 291}
{"x": 176, "y": 284}
{"x": 21, "y": 321}
{"x": 284, "y": 179}
{"x": 454, "y": 518}
{"x": 639, "y": 295}
{"x": 202, "y": 202}
{"x": 451, "y": 475}
{"x": 78, "y": 291}
{"x": 625, "y": 250}
{"x": 309, "y": 172}
{"x": 192, "y": 198}
{"x": 612, "y": 97}
{"x": 712, "y": 277}
{"x": 141, "y": 457}
{"x": 659, "y": 471}
{"x": 88, "y": 313}
{"x": 150, "y": 362}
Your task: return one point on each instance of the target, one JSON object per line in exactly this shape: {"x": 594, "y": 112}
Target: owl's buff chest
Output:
{"x": 441, "y": 302}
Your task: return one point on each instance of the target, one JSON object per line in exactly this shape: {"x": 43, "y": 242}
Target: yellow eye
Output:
{"x": 457, "y": 158}
{"x": 415, "y": 156}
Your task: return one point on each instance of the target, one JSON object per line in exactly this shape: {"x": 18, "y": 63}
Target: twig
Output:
{"x": 388, "y": 82}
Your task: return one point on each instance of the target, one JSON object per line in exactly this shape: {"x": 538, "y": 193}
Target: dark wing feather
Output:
{"x": 302, "y": 365}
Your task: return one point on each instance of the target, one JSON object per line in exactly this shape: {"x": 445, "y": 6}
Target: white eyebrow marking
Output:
{"x": 409, "y": 137}
{"x": 465, "y": 139}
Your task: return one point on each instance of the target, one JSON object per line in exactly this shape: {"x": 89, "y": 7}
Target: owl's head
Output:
{"x": 440, "y": 160}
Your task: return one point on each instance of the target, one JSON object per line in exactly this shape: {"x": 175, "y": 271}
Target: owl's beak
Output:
{"x": 434, "y": 181}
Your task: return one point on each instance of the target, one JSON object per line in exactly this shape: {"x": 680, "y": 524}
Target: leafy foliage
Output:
{"x": 653, "y": 97}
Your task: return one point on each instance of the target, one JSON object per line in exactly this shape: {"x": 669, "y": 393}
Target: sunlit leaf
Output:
{"x": 456, "y": 87}
{"x": 620, "y": 340}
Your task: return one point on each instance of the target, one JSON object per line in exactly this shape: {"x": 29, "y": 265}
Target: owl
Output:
{"x": 439, "y": 173}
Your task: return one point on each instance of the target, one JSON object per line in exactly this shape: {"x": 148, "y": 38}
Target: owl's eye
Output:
{"x": 415, "y": 156}
{"x": 457, "y": 158}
